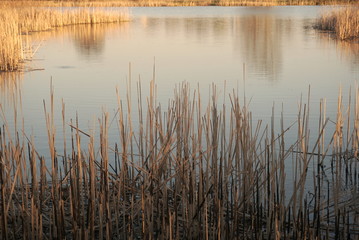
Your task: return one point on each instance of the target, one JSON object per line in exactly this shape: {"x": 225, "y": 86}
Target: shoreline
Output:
{"x": 173, "y": 3}
{"x": 182, "y": 177}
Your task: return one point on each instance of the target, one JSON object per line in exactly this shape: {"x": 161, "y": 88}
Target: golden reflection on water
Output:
{"x": 350, "y": 51}
{"x": 89, "y": 39}
{"x": 347, "y": 50}
{"x": 257, "y": 39}
{"x": 10, "y": 87}
{"x": 202, "y": 29}
{"x": 260, "y": 42}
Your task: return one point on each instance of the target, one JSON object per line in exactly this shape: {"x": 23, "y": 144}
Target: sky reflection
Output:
{"x": 275, "y": 50}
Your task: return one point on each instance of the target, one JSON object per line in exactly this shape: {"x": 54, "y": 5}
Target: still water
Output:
{"x": 273, "y": 54}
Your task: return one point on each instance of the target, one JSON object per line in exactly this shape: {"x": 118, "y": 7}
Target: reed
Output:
{"x": 11, "y": 44}
{"x": 343, "y": 23}
{"x": 15, "y": 23}
{"x": 172, "y": 3}
{"x": 189, "y": 171}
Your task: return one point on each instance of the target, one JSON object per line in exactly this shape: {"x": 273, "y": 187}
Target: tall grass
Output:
{"x": 15, "y": 23}
{"x": 154, "y": 3}
{"x": 344, "y": 23}
{"x": 191, "y": 171}
{"x": 11, "y": 53}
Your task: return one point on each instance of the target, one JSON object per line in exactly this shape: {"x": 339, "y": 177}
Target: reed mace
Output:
{"x": 190, "y": 171}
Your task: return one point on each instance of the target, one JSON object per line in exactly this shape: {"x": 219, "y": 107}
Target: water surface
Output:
{"x": 273, "y": 54}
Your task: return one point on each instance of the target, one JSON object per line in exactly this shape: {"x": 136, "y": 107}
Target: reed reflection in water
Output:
{"x": 89, "y": 39}
{"x": 260, "y": 42}
{"x": 346, "y": 50}
{"x": 10, "y": 87}
{"x": 351, "y": 50}
{"x": 256, "y": 40}
{"x": 199, "y": 48}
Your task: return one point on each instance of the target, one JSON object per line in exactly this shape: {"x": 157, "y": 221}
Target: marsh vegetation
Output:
{"x": 344, "y": 23}
{"x": 194, "y": 166}
{"x": 172, "y": 3}
{"x": 187, "y": 171}
{"x": 17, "y": 23}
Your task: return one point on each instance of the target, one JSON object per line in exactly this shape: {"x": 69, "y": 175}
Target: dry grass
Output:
{"x": 35, "y": 19}
{"x": 156, "y": 3}
{"x": 11, "y": 53}
{"x": 189, "y": 172}
{"x": 344, "y": 23}
{"x": 15, "y": 23}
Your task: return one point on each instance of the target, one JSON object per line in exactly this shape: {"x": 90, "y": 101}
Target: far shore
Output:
{"x": 173, "y": 3}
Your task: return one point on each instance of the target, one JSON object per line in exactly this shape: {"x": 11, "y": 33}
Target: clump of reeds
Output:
{"x": 15, "y": 22}
{"x": 170, "y": 3}
{"x": 191, "y": 171}
{"x": 11, "y": 43}
{"x": 37, "y": 19}
{"x": 10, "y": 85}
{"x": 344, "y": 23}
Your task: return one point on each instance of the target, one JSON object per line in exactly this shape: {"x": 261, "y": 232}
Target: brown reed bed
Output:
{"x": 16, "y": 23}
{"x": 173, "y": 3}
{"x": 191, "y": 171}
{"x": 344, "y": 23}
{"x": 10, "y": 85}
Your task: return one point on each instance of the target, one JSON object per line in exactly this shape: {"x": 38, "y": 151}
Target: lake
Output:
{"x": 270, "y": 55}
{"x": 186, "y": 171}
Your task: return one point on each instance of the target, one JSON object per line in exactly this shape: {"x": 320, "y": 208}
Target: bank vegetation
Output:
{"x": 154, "y": 3}
{"x": 189, "y": 171}
{"x": 17, "y": 23}
{"x": 344, "y": 23}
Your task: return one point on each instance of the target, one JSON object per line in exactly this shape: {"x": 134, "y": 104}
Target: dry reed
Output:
{"x": 11, "y": 53}
{"x": 15, "y": 23}
{"x": 189, "y": 172}
{"x": 344, "y": 23}
{"x": 172, "y": 3}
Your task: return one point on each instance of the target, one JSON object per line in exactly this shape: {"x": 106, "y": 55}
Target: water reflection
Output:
{"x": 201, "y": 29}
{"x": 282, "y": 59}
{"x": 350, "y": 51}
{"x": 347, "y": 50}
{"x": 257, "y": 39}
{"x": 260, "y": 42}
{"x": 89, "y": 40}
{"x": 10, "y": 86}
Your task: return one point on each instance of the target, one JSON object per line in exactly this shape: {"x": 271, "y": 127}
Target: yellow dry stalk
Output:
{"x": 10, "y": 39}
{"x": 14, "y": 22}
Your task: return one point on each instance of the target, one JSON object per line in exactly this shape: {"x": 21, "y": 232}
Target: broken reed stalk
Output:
{"x": 186, "y": 172}
{"x": 15, "y": 23}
